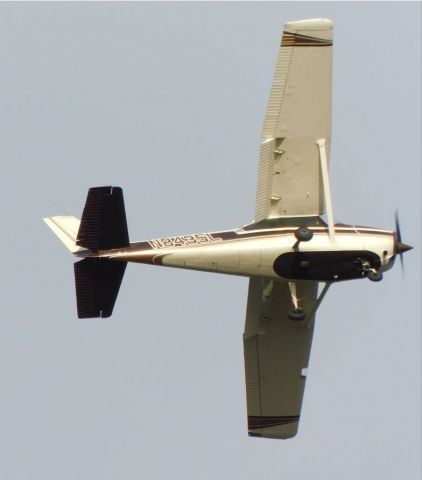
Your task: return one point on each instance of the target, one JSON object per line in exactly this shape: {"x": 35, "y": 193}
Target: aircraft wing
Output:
{"x": 298, "y": 114}
{"x": 276, "y": 353}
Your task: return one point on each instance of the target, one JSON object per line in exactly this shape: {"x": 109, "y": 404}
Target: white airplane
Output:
{"x": 288, "y": 251}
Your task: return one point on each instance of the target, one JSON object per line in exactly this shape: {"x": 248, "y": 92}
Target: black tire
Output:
{"x": 297, "y": 315}
{"x": 303, "y": 234}
{"x": 375, "y": 276}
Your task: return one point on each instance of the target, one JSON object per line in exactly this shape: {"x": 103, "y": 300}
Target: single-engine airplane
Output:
{"x": 287, "y": 251}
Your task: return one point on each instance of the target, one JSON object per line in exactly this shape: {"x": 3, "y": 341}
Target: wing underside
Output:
{"x": 298, "y": 114}
{"x": 276, "y": 353}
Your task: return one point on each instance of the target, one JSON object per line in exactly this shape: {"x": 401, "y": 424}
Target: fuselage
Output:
{"x": 272, "y": 252}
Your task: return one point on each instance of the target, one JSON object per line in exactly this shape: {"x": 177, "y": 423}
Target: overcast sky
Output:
{"x": 167, "y": 101}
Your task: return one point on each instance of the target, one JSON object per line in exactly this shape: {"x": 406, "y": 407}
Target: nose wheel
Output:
{"x": 374, "y": 275}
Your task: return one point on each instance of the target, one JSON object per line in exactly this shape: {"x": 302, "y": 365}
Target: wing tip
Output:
{"x": 273, "y": 436}
{"x": 309, "y": 24}
{"x": 309, "y": 32}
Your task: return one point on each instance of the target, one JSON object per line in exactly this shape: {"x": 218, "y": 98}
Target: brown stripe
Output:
{"x": 265, "y": 422}
{"x": 227, "y": 236}
{"x": 297, "y": 40}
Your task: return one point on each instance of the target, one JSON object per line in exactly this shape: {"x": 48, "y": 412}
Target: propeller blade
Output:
{"x": 400, "y": 247}
{"x": 402, "y": 265}
{"x": 398, "y": 232}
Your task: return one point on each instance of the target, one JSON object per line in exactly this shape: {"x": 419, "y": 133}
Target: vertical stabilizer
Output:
{"x": 102, "y": 227}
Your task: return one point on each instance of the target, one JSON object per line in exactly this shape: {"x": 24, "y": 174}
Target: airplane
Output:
{"x": 289, "y": 252}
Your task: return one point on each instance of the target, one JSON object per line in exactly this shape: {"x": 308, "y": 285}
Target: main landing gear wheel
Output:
{"x": 303, "y": 234}
{"x": 374, "y": 276}
{"x": 296, "y": 314}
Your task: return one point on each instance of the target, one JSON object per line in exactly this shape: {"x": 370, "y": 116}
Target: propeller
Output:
{"x": 399, "y": 246}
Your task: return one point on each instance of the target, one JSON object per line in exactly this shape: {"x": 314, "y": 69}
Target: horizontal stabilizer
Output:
{"x": 103, "y": 225}
{"x": 97, "y": 282}
{"x": 66, "y": 228}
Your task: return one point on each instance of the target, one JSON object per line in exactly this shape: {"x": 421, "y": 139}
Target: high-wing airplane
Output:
{"x": 291, "y": 255}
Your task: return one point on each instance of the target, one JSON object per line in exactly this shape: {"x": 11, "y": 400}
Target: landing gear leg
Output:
{"x": 296, "y": 313}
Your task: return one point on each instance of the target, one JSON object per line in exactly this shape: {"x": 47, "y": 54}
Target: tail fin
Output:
{"x": 66, "y": 228}
{"x": 103, "y": 225}
{"x": 97, "y": 283}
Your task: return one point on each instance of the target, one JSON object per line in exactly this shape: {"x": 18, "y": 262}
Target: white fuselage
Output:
{"x": 253, "y": 253}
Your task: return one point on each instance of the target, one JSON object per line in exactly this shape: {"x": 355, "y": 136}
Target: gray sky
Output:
{"x": 167, "y": 101}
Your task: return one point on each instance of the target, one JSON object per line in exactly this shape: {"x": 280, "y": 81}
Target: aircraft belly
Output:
{"x": 206, "y": 261}
{"x": 232, "y": 259}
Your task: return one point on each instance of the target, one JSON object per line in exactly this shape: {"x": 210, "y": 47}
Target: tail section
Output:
{"x": 102, "y": 227}
{"x": 97, "y": 283}
{"x": 66, "y": 228}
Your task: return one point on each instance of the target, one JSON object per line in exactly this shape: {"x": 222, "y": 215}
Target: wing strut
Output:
{"x": 319, "y": 299}
{"x": 326, "y": 186}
